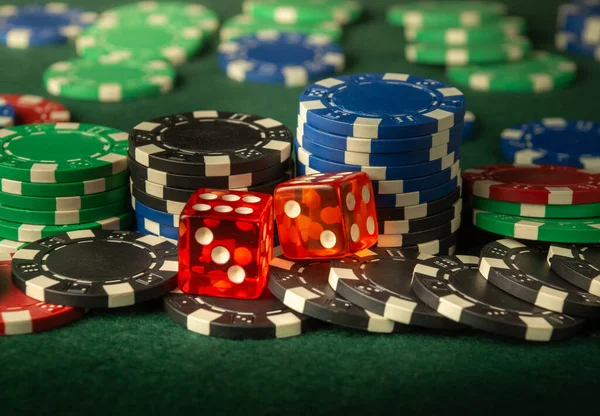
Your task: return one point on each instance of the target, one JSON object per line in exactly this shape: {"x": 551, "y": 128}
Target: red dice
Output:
{"x": 225, "y": 243}
{"x": 325, "y": 215}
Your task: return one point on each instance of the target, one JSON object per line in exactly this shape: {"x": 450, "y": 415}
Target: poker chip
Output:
{"x": 10, "y": 246}
{"x": 421, "y": 224}
{"x": 96, "y": 268}
{"x": 419, "y": 211}
{"x": 68, "y": 203}
{"x": 146, "y": 226}
{"x": 210, "y": 143}
{"x": 570, "y": 42}
{"x": 243, "y": 25}
{"x": 539, "y": 72}
{"x": 164, "y": 218}
{"x": 87, "y": 79}
{"x": 543, "y": 143}
{"x": 578, "y": 265}
{"x": 536, "y": 210}
{"x": 453, "y": 287}
{"x": 302, "y": 286}
{"x": 416, "y": 238}
{"x": 496, "y": 31}
{"x": 382, "y": 105}
{"x": 38, "y": 25}
{"x": 20, "y": 314}
{"x": 361, "y": 145}
{"x": 65, "y": 189}
{"x": 262, "y": 318}
{"x": 441, "y": 246}
{"x": 379, "y": 281}
{"x": 33, "y": 109}
{"x": 523, "y": 272}
{"x": 485, "y": 53}
{"x": 581, "y": 20}
{"x": 32, "y": 232}
{"x": 63, "y": 152}
{"x": 273, "y": 57}
{"x": 445, "y": 13}
{"x": 469, "y": 125}
{"x": 418, "y": 197}
{"x": 292, "y": 12}
{"x": 7, "y": 114}
{"x": 159, "y": 204}
{"x": 379, "y": 172}
{"x": 534, "y": 184}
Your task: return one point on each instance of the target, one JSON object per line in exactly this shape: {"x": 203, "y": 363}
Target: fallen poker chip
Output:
{"x": 512, "y": 50}
{"x": 292, "y": 12}
{"x": 578, "y": 265}
{"x": 262, "y": 318}
{"x": 382, "y": 105}
{"x": 302, "y": 286}
{"x": 7, "y": 114}
{"x": 543, "y": 142}
{"x": 109, "y": 82}
{"x": 570, "y": 42}
{"x": 417, "y": 197}
{"x": 534, "y": 184}
{"x": 291, "y": 59}
{"x": 419, "y": 211}
{"x": 147, "y": 226}
{"x": 63, "y": 152}
{"x": 33, "y": 109}
{"x": 20, "y": 314}
{"x": 445, "y": 13}
{"x": 507, "y": 28}
{"x": 379, "y": 281}
{"x": 469, "y": 125}
{"x": 523, "y": 272}
{"x": 96, "y": 268}
{"x": 39, "y": 25}
{"x": 536, "y": 210}
{"x": 10, "y": 246}
{"x": 210, "y": 143}
{"x": 165, "y": 218}
{"x": 421, "y": 224}
{"x": 419, "y": 237}
{"x": 453, "y": 286}
{"x": 539, "y": 72}
{"x": 32, "y": 232}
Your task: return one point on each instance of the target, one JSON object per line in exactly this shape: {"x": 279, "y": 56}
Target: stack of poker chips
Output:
{"x": 351, "y": 123}
{"x": 551, "y": 203}
{"x": 579, "y": 28}
{"x": 170, "y": 157}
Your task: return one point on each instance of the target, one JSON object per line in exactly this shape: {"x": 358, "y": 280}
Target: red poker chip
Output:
{"x": 534, "y": 184}
{"x": 20, "y": 314}
{"x": 32, "y": 109}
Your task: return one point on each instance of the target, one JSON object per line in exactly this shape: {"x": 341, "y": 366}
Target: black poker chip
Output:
{"x": 453, "y": 286}
{"x": 411, "y": 239}
{"x": 96, "y": 268}
{"x": 578, "y": 265}
{"x": 421, "y": 224}
{"x": 164, "y": 205}
{"x": 175, "y": 180}
{"x": 523, "y": 272}
{"x": 379, "y": 280}
{"x": 419, "y": 211}
{"x": 262, "y": 318}
{"x": 210, "y": 143}
{"x": 443, "y": 246}
{"x": 302, "y": 286}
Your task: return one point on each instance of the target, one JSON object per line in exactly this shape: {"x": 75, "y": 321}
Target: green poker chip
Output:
{"x": 31, "y": 232}
{"x": 586, "y": 230}
{"x": 445, "y": 13}
{"x": 63, "y": 152}
{"x": 505, "y": 29}
{"x": 87, "y": 79}
{"x": 292, "y": 12}
{"x": 540, "y": 72}
{"x": 62, "y": 217}
{"x": 244, "y": 25}
{"x": 68, "y": 203}
{"x": 154, "y": 13}
{"x": 438, "y": 54}
{"x": 67, "y": 189}
{"x": 536, "y": 210}
{"x": 138, "y": 41}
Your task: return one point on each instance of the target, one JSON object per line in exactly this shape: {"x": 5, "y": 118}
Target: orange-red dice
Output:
{"x": 225, "y": 243}
{"x": 325, "y": 215}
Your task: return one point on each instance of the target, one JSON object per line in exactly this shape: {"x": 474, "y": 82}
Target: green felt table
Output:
{"x": 137, "y": 361}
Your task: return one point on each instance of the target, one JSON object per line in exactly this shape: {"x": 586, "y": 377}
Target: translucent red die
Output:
{"x": 325, "y": 215}
{"x": 225, "y": 243}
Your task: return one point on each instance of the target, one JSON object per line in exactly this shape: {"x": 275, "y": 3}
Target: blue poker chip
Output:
{"x": 38, "y": 25}
{"x": 469, "y": 125}
{"x": 378, "y": 172}
{"x": 570, "y": 42}
{"x": 382, "y": 105}
{"x": 418, "y": 197}
{"x": 165, "y": 218}
{"x": 147, "y": 226}
{"x": 581, "y": 20}
{"x": 377, "y": 159}
{"x": 553, "y": 141}
{"x": 357, "y": 144}
{"x": 275, "y": 57}
{"x": 7, "y": 114}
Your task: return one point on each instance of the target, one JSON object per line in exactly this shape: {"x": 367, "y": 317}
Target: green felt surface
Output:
{"x": 137, "y": 361}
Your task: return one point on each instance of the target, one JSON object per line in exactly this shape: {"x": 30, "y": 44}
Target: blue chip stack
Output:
{"x": 579, "y": 28}
{"x": 404, "y": 131}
